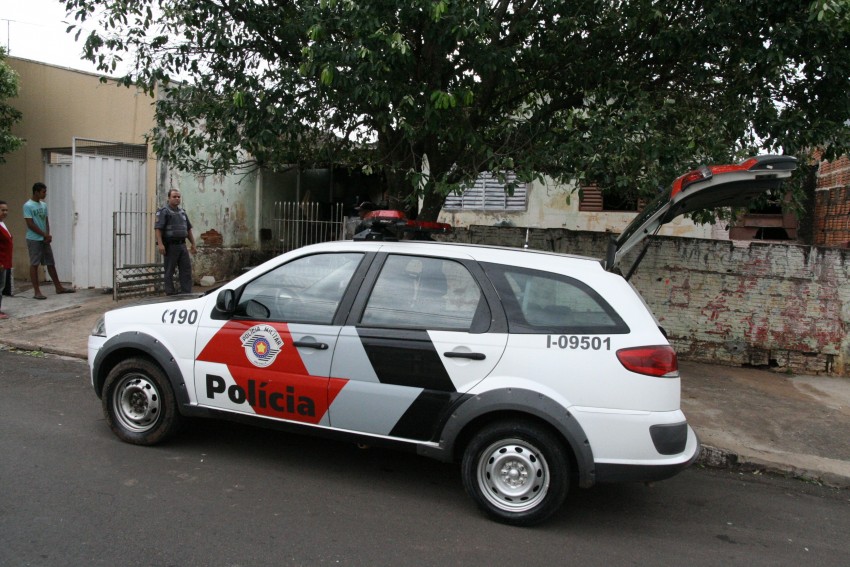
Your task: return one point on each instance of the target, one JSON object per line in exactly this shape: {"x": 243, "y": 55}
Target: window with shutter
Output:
{"x": 592, "y": 200}
{"x": 489, "y": 194}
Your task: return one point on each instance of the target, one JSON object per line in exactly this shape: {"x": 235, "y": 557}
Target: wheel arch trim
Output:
{"x": 146, "y": 345}
{"x": 516, "y": 401}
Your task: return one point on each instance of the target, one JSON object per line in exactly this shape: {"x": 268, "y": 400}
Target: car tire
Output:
{"x": 139, "y": 404}
{"x": 516, "y": 472}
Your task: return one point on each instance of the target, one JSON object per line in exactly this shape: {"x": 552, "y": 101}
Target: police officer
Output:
{"x": 364, "y": 209}
{"x": 172, "y": 228}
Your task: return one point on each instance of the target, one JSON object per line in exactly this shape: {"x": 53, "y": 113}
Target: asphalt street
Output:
{"x": 231, "y": 495}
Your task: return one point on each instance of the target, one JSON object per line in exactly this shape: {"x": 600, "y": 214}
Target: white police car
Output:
{"x": 534, "y": 370}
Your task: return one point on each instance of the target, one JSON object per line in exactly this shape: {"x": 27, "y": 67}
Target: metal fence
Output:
{"x": 299, "y": 224}
{"x": 137, "y": 268}
{"x": 137, "y": 265}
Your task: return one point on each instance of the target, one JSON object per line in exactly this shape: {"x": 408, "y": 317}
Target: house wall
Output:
{"x": 556, "y": 206}
{"x": 779, "y": 306}
{"x": 224, "y": 215}
{"x": 226, "y": 204}
{"x": 59, "y": 104}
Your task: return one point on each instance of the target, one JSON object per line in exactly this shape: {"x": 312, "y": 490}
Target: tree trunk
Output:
{"x": 431, "y": 206}
{"x": 808, "y": 182}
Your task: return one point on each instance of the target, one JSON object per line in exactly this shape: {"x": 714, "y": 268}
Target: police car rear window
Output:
{"x": 543, "y": 302}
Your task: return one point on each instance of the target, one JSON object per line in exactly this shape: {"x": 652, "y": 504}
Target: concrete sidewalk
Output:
{"x": 749, "y": 418}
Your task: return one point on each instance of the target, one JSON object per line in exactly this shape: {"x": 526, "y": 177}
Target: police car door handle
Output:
{"x": 469, "y": 355}
{"x": 310, "y": 344}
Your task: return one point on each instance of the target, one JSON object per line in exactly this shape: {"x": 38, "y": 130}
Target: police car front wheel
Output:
{"x": 517, "y": 473}
{"x": 138, "y": 402}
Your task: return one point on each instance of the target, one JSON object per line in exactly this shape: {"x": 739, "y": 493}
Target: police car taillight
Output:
{"x": 690, "y": 178}
{"x": 658, "y": 360}
{"x": 766, "y": 166}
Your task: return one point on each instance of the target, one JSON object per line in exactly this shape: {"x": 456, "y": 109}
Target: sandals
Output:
{"x": 58, "y": 292}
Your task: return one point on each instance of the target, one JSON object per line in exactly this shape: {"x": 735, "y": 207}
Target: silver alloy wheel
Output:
{"x": 136, "y": 402}
{"x": 513, "y": 475}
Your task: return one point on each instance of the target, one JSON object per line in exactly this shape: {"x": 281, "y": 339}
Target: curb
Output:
{"x": 718, "y": 458}
{"x": 32, "y": 347}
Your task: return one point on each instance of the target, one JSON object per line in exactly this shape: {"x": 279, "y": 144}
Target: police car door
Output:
{"x": 273, "y": 356}
{"x": 415, "y": 344}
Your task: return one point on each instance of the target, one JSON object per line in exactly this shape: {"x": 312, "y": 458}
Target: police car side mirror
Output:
{"x": 226, "y": 301}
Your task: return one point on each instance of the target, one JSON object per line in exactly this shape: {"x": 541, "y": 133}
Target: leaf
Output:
{"x": 624, "y": 94}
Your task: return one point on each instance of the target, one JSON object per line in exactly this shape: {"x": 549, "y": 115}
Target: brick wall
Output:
{"x": 778, "y": 306}
{"x": 831, "y": 225}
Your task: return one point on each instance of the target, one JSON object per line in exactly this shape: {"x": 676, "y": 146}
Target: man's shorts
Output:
{"x": 41, "y": 254}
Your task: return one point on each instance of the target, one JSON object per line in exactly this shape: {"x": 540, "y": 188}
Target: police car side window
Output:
{"x": 423, "y": 293}
{"x": 543, "y": 302}
{"x": 305, "y": 290}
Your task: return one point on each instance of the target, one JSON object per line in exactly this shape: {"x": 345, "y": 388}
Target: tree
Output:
{"x": 9, "y": 116}
{"x": 623, "y": 93}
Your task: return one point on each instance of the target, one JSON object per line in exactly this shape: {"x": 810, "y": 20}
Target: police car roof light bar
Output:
{"x": 386, "y": 224}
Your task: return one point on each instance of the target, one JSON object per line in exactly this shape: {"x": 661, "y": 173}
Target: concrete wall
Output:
{"x": 778, "y": 306}
{"x": 222, "y": 264}
{"x": 59, "y": 104}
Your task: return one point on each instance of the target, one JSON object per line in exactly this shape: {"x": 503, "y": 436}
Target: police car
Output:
{"x": 535, "y": 371}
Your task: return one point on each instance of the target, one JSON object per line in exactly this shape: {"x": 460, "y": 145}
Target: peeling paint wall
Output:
{"x": 224, "y": 203}
{"x": 779, "y": 306}
{"x": 222, "y": 264}
{"x": 771, "y": 305}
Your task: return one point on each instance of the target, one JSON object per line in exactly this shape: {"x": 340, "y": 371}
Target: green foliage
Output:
{"x": 9, "y": 116}
{"x": 626, "y": 94}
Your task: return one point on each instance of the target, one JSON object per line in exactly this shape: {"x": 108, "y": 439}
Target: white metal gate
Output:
{"x": 138, "y": 267}
{"x": 58, "y": 176}
{"x": 85, "y": 184}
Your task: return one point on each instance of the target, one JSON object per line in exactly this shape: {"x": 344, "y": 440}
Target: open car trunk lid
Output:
{"x": 708, "y": 187}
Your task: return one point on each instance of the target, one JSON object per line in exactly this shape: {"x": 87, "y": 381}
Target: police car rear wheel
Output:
{"x": 139, "y": 404}
{"x": 517, "y": 473}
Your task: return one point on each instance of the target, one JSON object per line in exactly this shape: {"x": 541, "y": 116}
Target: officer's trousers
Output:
{"x": 177, "y": 256}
